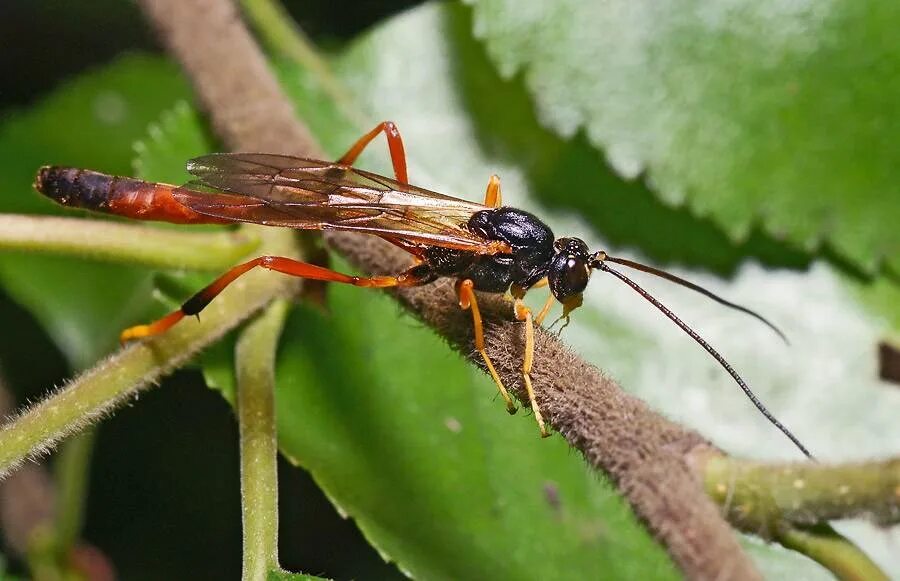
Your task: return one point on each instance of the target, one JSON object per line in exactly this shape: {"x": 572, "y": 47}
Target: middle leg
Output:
{"x": 464, "y": 289}
{"x": 523, "y": 313}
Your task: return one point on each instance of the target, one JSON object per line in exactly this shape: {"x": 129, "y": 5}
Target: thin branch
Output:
{"x": 644, "y": 454}
{"x": 99, "y": 390}
{"x": 760, "y": 498}
{"x": 833, "y": 551}
{"x": 255, "y": 357}
{"x": 125, "y": 243}
{"x": 72, "y": 474}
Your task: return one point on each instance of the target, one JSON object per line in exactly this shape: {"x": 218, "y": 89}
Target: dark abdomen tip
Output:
{"x": 53, "y": 182}
{"x": 74, "y": 187}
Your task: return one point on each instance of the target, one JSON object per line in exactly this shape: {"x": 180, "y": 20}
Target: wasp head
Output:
{"x": 570, "y": 269}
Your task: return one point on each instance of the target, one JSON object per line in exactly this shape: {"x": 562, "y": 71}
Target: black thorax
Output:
{"x": 530, "y": 239}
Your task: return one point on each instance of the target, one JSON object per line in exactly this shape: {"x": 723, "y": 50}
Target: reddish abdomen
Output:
{"x": 82, "y": 188}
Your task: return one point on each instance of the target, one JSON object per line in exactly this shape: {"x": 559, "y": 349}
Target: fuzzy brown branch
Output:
{"x": 647, "y": 456}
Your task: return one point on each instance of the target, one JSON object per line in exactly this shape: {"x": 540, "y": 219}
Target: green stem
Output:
{"x": 763, "y": 495}
{"x": 791, "y": 502}
{"x": 255, "y": 360}
{"x": 282, "y": 36}
{"x": 122, "y": 375}
{"x": 72, "y": 474}
{"x": 127, "y": 243}
{"x": 833, "y": 551}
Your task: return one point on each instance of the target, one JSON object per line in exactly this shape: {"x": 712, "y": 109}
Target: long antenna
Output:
{"x": 727, "y": 366}
{"x": 695, "y": 287}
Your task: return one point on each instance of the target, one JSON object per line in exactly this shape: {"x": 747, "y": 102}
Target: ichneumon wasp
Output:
{"x": 486, "y": 247}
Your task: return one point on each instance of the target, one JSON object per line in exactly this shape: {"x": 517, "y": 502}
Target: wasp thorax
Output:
{"x": 569, "y": 271}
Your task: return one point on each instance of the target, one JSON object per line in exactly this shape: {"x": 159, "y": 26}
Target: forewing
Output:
{"x": 306, "y": 193}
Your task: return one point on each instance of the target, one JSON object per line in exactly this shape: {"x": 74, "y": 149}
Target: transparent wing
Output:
{"x": 295, "y": 192}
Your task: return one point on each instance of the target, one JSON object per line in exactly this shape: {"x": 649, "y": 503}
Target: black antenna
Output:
{"x": 697, "y": 288}
{"x": 693, "y": 334}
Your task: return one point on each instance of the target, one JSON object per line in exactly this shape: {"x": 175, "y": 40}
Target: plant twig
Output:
{"x": 122, "y": 375}
{"x": 72, "y": 472}
{"x": 255, "y": 359}
{"x": 833, "y": 551}
{"x": 125, "y": 243}
{"x": 761, "y": 498}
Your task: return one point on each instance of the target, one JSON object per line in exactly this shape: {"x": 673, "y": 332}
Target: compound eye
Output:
{"x": 576, "y": 275}
{"x": 568, "y": 276}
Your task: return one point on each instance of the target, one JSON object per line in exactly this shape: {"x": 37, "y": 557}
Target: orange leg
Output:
{"x": 492, "y": 197}
{"x": 467, "y": 301}
{"x": 545, "y": 310}
{"x": 289, "y": 266}
{"x": 523, "y": 313}
{"x": 395, "y": 146}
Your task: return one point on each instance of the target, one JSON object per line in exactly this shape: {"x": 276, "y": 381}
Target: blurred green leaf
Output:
{"x": 89, "y": 122}
{"x": 167, "y": 144}
{"x": 775, "y": 113}
{"x": 882, "y": 297}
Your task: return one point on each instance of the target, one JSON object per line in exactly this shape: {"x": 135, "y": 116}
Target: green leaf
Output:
{"x": 408, "y": 439}
{"x": 781, "y": 114}
{"x": 89, "y": 122}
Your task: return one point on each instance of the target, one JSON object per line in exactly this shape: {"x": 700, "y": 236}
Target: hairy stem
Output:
{"x": 97, "y": 391}
{"x": 255, "y": 357}
{"x": 126, "y": 243}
